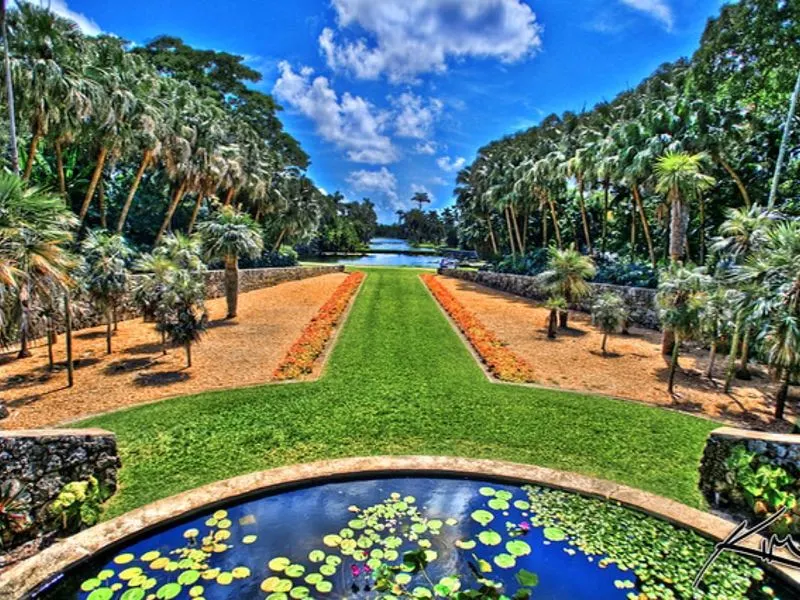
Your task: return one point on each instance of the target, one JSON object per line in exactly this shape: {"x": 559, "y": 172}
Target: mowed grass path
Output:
{"x": 400, "y": 381}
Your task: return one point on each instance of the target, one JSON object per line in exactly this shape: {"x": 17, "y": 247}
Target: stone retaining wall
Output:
{"x": 640, "y": 301}
{"x": 718, "y": 483}
{"x": 45, "y": 461}
{"x": 249, "y": 280}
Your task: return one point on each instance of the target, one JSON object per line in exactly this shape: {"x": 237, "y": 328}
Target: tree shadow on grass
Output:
{"x": 161, "y": 379}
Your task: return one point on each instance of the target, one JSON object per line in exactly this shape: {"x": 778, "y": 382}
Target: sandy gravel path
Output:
{"x": 241, "y": 352}
{"x": 634, "y": 368}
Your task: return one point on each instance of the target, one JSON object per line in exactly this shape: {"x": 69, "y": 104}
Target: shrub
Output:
{"x": 15, "y": 510}
{"x": 620, "y": 271}
{"x": 609, "y": 313}
{"x": 77, "y": 506}
{"x": 286, "y": 256}
{"x": 533, "y": 263}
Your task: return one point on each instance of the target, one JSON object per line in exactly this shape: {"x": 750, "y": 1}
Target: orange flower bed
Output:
{"x": 300, "y": 358}
{"x": 502, "y": 362}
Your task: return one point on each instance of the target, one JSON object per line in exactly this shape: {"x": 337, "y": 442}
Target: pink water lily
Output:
{"x": 355, "y": 570}
{"x": 525, "y": 526}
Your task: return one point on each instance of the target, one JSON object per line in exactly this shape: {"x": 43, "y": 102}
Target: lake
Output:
{"x": 384, "y": 257}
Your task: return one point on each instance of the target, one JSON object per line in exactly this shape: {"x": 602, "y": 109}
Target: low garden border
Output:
{"x": 28, "y": 575}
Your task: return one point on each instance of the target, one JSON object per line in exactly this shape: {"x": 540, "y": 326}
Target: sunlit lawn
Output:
{"x": 400, "y": 381}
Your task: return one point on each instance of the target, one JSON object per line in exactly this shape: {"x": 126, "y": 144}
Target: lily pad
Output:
{"x": 102, "y": 593}
{"x": 484, "y": 517}
{"x": 518, "y": 548}
{"x": 505, "y": 561}
{"x": 323, "y": 587}
{"x": 466, "y": 544}
{"x": 249, "y": 539}
{"x": 487, "y": 491}
{"x": 498, "y": 504}
{"x": 554, "y": 534}
{"x": 489, "y": 537}
{"x": 279, "y": 563}
{"x": 295, "y": 570}
{"x": 316, "y": 556}
{"x": 169, "y": 591}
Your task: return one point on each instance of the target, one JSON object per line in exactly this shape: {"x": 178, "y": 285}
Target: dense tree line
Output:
{"x": 143, "y": 140}
{"x": 590, "y": 178}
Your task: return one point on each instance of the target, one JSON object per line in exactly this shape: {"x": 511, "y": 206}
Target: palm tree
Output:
{"x": 44, "y": 66}
{"x": 775, "y": 270}
{"x": 567, "y": 274}
{"x": 105, "y": 274}
{"x": 12, "y": 117}
{"x": 609, "y": 313}
{"x": 35, "y": 231}
{"x": 680, "y": 177}
{"x": 556, "y": 305}
{"x": 680, "y": 298}
{"x": 421, "y": 198}
{"x": 228, "y": 236}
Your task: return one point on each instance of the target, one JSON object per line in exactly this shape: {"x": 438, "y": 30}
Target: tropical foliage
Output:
{"x": 609, "y": 313}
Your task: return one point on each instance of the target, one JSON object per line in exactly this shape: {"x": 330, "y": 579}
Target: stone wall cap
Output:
{"x": 55, "y": 433}
{"x": 733, "y": 433}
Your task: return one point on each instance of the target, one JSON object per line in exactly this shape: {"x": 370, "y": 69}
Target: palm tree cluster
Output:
{"x": 143, "y": 140}
{"x": 651, "y": 173}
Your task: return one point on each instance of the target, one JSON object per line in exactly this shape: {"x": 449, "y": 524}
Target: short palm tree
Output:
{"x": 609, "y": 313}
{"x": 105, "y": 274}
{"x": 228, "y": 236}
{"x": 35, "y": 230}
{"x": 182, "y": 314}
{"x": 567, "y": 274}
{"x": 680, "y": 298}
{"x": 680, "y": 176}
{"x": 555, "y": 305}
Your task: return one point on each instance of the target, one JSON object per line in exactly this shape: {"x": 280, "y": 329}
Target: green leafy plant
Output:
{"x": 766, "y": 488}
{"x": 609, "y": 313}
{"x": 15, "y": 510}
{"x": 78, "y": 505}
{"x": 555, "y": 305}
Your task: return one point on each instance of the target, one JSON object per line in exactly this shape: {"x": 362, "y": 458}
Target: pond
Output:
{"x": 390, "y": 252}
{"x": 407, "y": 537}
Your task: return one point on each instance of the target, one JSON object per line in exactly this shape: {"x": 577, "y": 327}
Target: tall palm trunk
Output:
{"x": 783, "y": 394}
{"x": 677, "y": 237}
{"x": 37, "y": 137}
{"x": 544, "y": 226}
{"x": 515, "y": 221}
{"x": 176, "y": 199}
{"x": 556, "y": 228}
{"x": 606, "y": 186}
{"x": 633, "y": 230}
{"x": 50, "y": 342}
{"x": 787, "y": 132}
{"x": 525, "y": 223}
{"x": 101, "y": 203}
{"x": 229, "y": 196}
{"x": 510, "y": 232}
{"x": 188, "y": 348}
{"x": 492, "y": 239}
{"x": 736, "y": 179}
{"x": 98, "y": 171}
{"x": 146, "y": 158}
{"x": 12, "y": 119}
{"x": 196, "y": 211}
{"x": 232, "y": 285}
{"x": 645, "y": 225}
{"x": 68, "y": 333}
{"x": 702, "y": 206}
{"x": 277, "y": 245}
{"x": 737, "y": 332}
{"x": 584, "y": 217}
{"x": 711, "y": 360}
{"x": 62, "y": 180}
{"x": 25, "y": 320}
{"x": 743, "y": 371}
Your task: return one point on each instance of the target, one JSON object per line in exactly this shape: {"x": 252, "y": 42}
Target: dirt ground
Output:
{"x": 634, "y": 367}
{"x": 240, "y": 352}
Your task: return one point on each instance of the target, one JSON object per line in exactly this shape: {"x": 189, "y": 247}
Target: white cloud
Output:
{"x": 411, "y": 37}
{"x": 86, "y": 24}
{"x": 415, "y": 118}
{"x": 351, "y": 122}
{"x": 451, "y": 165}
{"x": 425, "y": 148}
{"x": 382, "y": 181}
{"x": 658, "y": 9}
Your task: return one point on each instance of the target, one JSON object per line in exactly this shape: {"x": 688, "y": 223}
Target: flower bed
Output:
{"x": 502, "y": 362}
{"x": 300, "y": 358}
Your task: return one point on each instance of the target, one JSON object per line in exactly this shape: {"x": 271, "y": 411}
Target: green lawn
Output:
{"x": 400, "y": 381}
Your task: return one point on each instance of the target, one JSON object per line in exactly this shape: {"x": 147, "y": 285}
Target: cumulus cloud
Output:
{"x": 382, "y": 181}
{"x": 415, "y": 117}
{"x": 425, "y": 148}
{"x": 658, "y": 9}
{"x": 406, "y": 38}
{"x": 86, "y": 24}
{"x": 451, "y": 165}
{"x": 350, "y": 122}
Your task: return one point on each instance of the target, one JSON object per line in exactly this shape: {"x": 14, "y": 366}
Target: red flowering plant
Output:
{"x": 300, "y": 358}
{"x": 502, "y": 362}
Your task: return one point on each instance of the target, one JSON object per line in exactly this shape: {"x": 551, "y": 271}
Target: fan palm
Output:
{"x": 35, "y": 231}
{"x": 228, "y": 236}
{"x": 679, "y": 176}
{"x": 609, "y": 313}
{"x": 567, "y": 274}
{"x": 104, "y": 273}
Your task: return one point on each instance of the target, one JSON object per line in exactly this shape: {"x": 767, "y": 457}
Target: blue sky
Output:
{"x": 390, "y": 97}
